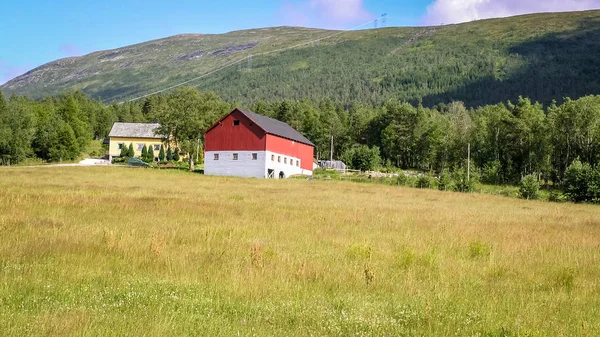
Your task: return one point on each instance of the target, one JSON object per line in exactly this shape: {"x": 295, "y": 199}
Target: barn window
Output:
{"x": 285, "y": 160}
{"x": 292, "y": 162}
{"x": 279, "y": 159}
{"x": 216, "y": 156}
{"x": 297, "y": 163}
{"x": 236, "y": 122}
{"x": 255, "y": 156}
{"x": 272, "y": 157}
{"x": 235, "y": 156}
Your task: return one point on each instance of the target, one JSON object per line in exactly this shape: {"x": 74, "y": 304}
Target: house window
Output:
{"x": 120, "y": 145}
{"x": 279, "y": 159}
{"x": 297, "y": 163}
{"x": 235, "y": 156}
{"x": 236, "y": 122}
{"x": 255, "y": 156}
{"x": 272, "y": 157}
{"x": 285, "y": 160}
{"x": 216, "y": 156}
{"x": 139, "y": 146}
{"x": 292, "y": 162}
{"x": 156, "y": 147}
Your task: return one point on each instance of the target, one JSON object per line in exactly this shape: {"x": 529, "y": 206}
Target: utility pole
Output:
{"x": 331, "y": 152}
{"x": 469, "y": 162}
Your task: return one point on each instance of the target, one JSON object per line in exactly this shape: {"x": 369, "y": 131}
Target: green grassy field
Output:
{"x": 127, "y": 252}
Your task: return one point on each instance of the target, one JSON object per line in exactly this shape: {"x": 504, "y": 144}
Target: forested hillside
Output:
{"x": 508, "y": 141}
{"x": 543, "y": 56}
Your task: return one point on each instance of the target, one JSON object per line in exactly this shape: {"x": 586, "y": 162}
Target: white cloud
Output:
{"x": 456, "y": 11}
{"x": 325, "y": 13}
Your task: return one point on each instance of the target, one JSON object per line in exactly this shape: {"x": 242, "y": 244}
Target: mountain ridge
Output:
{"x": 433, "y": 64}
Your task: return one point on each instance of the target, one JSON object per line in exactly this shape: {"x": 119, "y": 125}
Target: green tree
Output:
{"x": 169, "y": 156}
{"x": 150, "y": 154}
{"x": 124, "y": 151}
{"x": 361, "y": 157}
{"x": 529, "y": 188}
{"x": 582, "y": 182}
{"x": 161, "y": 153}
{"x": 188, "y": 114}
{"x": 144, "y": 155}
{"x": 176, "y": 156}
{"x": 130, "y": 151}
{"x": 64, "y": 146}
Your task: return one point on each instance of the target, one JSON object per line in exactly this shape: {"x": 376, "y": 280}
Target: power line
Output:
{"x": 249, "y": 60}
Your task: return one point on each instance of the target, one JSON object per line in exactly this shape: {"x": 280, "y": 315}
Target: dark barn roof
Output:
{"x": 134, "y": 130}
{"x": 276, "y": 128}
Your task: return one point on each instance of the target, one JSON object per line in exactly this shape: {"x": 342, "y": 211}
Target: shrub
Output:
{"x": 424, "y": 181}
{"x": 176, "y": 154}
{"x": 169, "y": 154}
{"x": 130, "y": 151}
{"x": 144, "y": 153}
{"x": 530, "y": 188}
{"x": 445, "y": 181}
{"x": 462, "y": 181}
{"x": 402, "y": 179}
{"x": 490, "y": 173}
{"x": 582, "y": 182}
{"x": 124, "y": 151}
{"x": 363, "y": 158}
{"x": 161, "y": 153}
{"x": 150, "y": 155}
{"x": 555, "y": 196}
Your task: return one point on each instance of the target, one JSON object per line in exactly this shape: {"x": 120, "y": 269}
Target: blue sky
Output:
{"x": 37, "y": 32}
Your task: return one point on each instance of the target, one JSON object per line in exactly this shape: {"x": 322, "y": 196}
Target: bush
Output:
{"x": 144, "y": 156}
{"x": 424, "y": 181}
{"x": 555, "y": 196}
{"x": 124, "y": 152}
{"x": 161, "y": 154}
{"x": 169, "y": 154}
{"x": 530, "y": 188}
{"x": 402, "y": 179}
{"x": 150, "y": 155}
{"x": 130, "y": 151}
{"x": 582, "y": 182}
{"x": 363, "y": 158}
{"x": 462, "y": 182}
{"x": 445, "y": 181}
{"x": 490, "y": 174}
{"x": 176, "y": 154}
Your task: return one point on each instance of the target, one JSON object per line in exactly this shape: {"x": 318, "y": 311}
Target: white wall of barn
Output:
{"x": 226, "y": 165}
{"x": 290, "y": 166}
{"x": 245, "y": 166}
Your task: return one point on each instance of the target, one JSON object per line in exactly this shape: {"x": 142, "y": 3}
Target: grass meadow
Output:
{"x": 133, "y": 252}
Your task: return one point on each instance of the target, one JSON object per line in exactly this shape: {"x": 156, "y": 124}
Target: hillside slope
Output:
{"x": 542, "y": 56}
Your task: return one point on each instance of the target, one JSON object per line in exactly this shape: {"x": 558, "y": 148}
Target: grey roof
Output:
{"x": 275, "y": 127}
{"x": 134, "y": 130}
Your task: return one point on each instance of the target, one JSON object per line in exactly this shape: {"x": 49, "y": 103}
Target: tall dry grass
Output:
{"x": 112, "y": 251}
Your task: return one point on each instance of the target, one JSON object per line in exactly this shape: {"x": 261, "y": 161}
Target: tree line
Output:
{"x": 508, "y": 140}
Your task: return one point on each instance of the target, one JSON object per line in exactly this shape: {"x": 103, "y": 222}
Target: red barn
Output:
{"x": 246, "y": 144}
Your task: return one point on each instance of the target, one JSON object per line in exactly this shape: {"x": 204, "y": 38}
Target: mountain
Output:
{"x": 542, "y": 56}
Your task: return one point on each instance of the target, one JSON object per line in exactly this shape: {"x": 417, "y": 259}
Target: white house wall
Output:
{"x": 244, "y": 166}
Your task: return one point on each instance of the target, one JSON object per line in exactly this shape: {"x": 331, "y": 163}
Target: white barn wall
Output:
{"x": 287, "y": 169}
{"x": 246, "y": 167}
{"x": 243, "y": 167}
